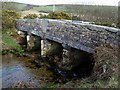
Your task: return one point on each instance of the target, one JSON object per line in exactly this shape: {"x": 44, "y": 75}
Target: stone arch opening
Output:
{"x": 82, "y": 63}
{"x": 85, "y": 67}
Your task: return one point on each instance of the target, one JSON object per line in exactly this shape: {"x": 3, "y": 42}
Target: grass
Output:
{"x": 8, "y": 41}
{"x": 9, "y": 45}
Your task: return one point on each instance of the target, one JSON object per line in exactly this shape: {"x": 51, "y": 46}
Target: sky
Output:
{"x": 88, "y": 2}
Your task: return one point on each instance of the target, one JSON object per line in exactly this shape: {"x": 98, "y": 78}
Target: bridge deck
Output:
{"x": 77, "y": 35}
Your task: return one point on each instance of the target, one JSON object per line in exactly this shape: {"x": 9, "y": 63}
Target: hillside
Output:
{"x": 92, "y": 13}
{"x": 103, "y": 14}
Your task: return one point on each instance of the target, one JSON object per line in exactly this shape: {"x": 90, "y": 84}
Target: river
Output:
{"x": 21, "y": 72}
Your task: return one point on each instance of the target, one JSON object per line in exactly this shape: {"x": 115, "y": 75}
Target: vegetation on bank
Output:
{"x": 8, "y": 19}
{"x": 9, "y": 45}
{"x": 9, "y": 16}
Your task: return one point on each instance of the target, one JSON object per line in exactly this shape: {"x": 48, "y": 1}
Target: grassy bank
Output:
{"x": 9, "y": 45}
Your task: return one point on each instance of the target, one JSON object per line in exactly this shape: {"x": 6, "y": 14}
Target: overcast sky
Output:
{"x": 47, "y": 2}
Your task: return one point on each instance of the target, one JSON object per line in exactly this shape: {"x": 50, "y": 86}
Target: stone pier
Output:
{"x": 45, "y": 46}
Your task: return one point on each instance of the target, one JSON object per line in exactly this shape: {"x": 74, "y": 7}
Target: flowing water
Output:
{"x": 20, "y": 72}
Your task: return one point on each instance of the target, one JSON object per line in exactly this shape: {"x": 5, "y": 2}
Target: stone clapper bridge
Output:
{"x": 71, "y": 36}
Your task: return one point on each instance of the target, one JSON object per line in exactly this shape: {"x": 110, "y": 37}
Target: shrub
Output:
{"x": 58, "y": 15}
{"x": 43, "y": 16}
{"x": 8, "y": 19}
{"x": 31, "y": 16}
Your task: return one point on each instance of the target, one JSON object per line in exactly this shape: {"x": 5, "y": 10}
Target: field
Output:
{"x": 47, "y": 8}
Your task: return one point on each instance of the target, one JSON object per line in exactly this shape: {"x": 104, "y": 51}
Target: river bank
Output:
{"x": 25, "y": 72}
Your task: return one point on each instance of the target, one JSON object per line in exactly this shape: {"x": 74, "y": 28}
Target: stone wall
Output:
{"x": 76, "y": 35}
